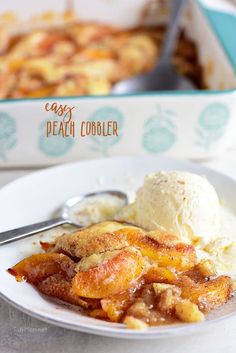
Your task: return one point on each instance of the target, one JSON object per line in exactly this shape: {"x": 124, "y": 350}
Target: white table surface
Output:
{"x": 20, "y": 333}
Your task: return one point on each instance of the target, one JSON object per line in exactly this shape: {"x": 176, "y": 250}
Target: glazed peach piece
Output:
{"x": 166, "y": 249}
{"x": 36, "y": 268}
{"x": 180, "y": 256}
{"x": 160, "y": 274}
{"x": 116, "y": 305}
{"x": 110, "y": 277}
{"x": 209, "y": 294}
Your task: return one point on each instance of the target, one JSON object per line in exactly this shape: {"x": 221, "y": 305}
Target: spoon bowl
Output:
{"x": 65, "y": 210}
{"x": 163, "y": 77}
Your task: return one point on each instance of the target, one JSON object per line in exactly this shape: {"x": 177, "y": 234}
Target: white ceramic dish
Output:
{"x": 196, "y": 125}
{"x": 34, "y": 198}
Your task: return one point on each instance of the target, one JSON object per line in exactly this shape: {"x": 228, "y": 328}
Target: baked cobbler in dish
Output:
{"x": 76, "y": 59}
{"x": 122, "y": 273}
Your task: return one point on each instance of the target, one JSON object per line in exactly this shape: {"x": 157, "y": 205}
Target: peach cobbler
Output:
{"x": 84, "y": 59}
{"x": 122, "y": 273}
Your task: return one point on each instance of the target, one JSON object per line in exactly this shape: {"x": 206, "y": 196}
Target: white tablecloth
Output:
{"x": 21, "y": 334}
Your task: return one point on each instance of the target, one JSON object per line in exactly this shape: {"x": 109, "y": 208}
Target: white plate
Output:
{"x": 33, "y": 198}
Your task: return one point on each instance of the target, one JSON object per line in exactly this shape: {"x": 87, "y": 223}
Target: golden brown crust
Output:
{"x": 165, "y": 248}
{"x": 98, "y": 238}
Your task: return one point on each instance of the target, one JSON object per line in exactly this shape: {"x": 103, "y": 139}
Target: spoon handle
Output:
{"x": 172, "y": 32}
{"x": 23, "y": 232}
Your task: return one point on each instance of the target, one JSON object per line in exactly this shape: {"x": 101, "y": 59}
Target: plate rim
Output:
{"x": 151, "y": 333}
{"x": 183, "y": 161}
{"x": 124, "y": 333}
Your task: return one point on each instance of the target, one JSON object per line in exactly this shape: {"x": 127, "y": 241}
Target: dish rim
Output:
{"x": 126, "y": 95}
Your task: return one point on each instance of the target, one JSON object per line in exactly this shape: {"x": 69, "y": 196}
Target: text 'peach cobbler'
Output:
{"x": 123, "y": 274}
{"x": 84, "y": 59}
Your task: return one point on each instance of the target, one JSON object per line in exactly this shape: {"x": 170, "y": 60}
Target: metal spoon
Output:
{"x": 64, "y": 217}
{"x": 163, "y": 76}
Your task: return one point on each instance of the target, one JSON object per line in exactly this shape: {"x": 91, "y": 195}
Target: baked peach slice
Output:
{"x": 207, "y": 295}
{"x": 116, "y": 272}
{"x": 180, "y": 256}
{"x": 98, "y": 314}
{"x": 116, "y": 305}
{"x": 160, "y": 275}
{"x": 52, "y": 275}
{"x": 38, "y": 267}
{"x": 162, "y": 247}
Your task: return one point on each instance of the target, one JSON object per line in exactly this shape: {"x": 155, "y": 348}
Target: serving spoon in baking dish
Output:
{"x": 163, "y": 77}
{"x": 66, "y": 214}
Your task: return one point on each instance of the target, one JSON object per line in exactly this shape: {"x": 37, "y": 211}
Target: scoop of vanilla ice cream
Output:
{"x": 180, "y": 202}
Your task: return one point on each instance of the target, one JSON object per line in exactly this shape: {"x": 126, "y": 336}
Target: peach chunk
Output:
{"x": 179, "y": 256}
{"x": 166, "y": 253}
{"x": 160, "y": 275}
{"x": 116, "y": 305}
{"x": 112, "y": 276}
{"x": 207, "y": 295}
{"x": 98, "y": 314}
{"x": 38, "y": 267}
